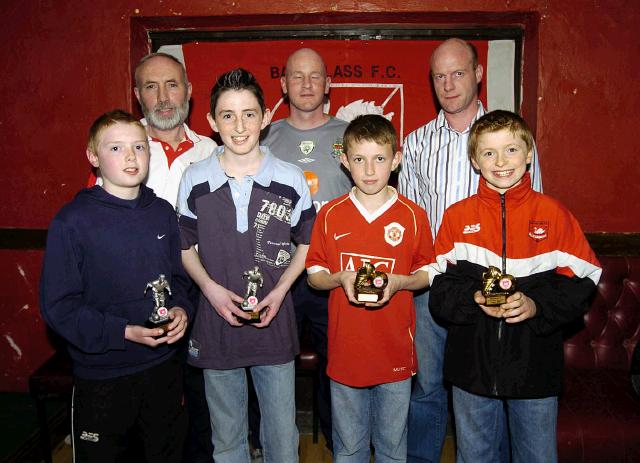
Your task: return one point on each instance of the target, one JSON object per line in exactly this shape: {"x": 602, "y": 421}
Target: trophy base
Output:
{"x": 496, "y": 299}
{"x": 162, "y": 324}
{"x": 368, "y": 297}
{"x": 255, "y": 317}
{"x": 247, "y": 306}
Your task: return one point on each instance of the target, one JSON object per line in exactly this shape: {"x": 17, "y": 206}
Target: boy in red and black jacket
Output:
{"x": 508, "y": 358}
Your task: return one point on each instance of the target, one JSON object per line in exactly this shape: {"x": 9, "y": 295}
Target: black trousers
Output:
{"x": 198, "y": 447}
{"x": 141, "y": 413}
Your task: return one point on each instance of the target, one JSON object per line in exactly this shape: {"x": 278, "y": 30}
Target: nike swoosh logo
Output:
{"x": 161, "y": 236}
{"x": 337, "y": 237}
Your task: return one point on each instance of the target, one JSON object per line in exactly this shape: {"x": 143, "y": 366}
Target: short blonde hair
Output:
{"x": 495, "y": 121}
{"x": 107, "y": 120}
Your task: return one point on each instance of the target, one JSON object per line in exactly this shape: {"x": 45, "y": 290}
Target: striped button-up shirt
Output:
{"x": 436, "y": 171}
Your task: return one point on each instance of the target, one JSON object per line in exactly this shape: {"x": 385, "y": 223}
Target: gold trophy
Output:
{"x": 160, "y": 316}
{"x": 497, "y": 286}
{"x": 254, "y": 281}
{"x": 370, "y": 283}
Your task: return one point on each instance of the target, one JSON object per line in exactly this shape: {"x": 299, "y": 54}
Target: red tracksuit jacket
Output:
{"x": 544, "y": 248}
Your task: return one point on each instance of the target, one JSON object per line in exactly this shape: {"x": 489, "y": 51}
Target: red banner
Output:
{"x": 388, "y": 77}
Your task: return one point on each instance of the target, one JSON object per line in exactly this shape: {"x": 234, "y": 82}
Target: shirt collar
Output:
{"x": 263, "y": 177}
{"x": 188, "y": 133}
{"x": 441, "y": 120}
{"x": 371, "y": 216}
{"x": 513, "y": 196}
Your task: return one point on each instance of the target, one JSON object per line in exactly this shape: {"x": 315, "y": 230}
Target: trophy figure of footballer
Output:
{"x": 160, "y": 316}
{"x": 254, "y": 282}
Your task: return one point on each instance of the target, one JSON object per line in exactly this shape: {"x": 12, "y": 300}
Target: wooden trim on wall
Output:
{"x": 614, "y": 244}
{"x": 19, "y": 239}
{"x": 603, "y": 243}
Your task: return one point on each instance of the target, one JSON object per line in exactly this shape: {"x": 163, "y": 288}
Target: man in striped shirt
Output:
{"x": 435, "y": 173}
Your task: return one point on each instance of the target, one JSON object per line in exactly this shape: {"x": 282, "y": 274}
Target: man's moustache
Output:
{"x": 163, "y": 107}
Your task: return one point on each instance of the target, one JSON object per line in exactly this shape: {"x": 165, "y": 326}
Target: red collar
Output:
{"x": 172, "y": 154}
{"x": 513, "y": 195}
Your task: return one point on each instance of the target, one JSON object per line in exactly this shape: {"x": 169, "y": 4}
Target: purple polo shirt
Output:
{"x": 236, "y": 228}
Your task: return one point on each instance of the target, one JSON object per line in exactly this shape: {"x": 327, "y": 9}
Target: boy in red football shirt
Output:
{"x": 371, "y": 352}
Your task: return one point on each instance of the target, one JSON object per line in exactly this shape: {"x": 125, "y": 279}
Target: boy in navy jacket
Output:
{"x": 103, "y": 249}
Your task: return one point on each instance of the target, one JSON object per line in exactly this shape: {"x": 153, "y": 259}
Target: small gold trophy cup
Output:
{"x": 254, "y": 281}
{"x": 497, "y": 286}
{"x": 160, "y": 316}
{"x": 370, "y": 283}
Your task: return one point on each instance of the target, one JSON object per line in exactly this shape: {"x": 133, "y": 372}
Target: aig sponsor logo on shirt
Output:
{"x": 351, "y": 262}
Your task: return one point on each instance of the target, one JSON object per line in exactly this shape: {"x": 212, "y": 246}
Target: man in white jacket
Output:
{"x": 163, "y": 91}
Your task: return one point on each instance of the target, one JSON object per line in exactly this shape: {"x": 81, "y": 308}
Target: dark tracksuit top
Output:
{"x": 101, "y": 253}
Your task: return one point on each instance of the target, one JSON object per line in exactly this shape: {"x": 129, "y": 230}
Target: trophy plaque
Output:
{"x": 254, "y": 281}
{"x": 370, "y": 283}
{"x": 497, "y": 286}
{"x": 160, "y": 316}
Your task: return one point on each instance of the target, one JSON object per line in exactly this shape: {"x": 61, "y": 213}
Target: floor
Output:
{"x": 309, "y": 452}
{"x": 20, "y": 430}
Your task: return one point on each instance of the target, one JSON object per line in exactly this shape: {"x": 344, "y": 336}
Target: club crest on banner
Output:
{"x": 307, "y": 146}
{"x": 538, "y": 230}
{"x": 393, "y": 233}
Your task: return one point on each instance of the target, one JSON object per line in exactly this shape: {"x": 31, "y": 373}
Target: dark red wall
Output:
{"x": 64, "y": 63}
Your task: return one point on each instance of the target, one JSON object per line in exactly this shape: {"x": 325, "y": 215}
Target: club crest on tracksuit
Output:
{"x": 538, "y": 230}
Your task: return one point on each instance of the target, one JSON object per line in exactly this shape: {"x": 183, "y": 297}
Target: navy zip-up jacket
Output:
{"x": 101, "y": 253}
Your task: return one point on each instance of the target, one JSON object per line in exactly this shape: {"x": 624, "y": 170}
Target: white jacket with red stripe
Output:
{"x": 541, "y": 244}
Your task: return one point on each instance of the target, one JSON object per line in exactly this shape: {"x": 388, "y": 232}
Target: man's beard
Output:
{"x": 178, "y": 116}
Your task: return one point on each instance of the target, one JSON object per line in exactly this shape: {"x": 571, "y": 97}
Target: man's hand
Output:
{"x": 142, "y": 335}
{"x": 518, "y": 307}
{"x": 178, "y": 325}
{"x": 269, "y": 306}
{"x": 223, "y": 302}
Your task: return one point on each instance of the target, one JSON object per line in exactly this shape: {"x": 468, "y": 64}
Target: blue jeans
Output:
{"x": 226, "y": 392}
{"x": 532, "y": 428}
{"x": 310, "y": 307}
{"x": 376, "y": 415}
{"x": 429, "y": 400}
